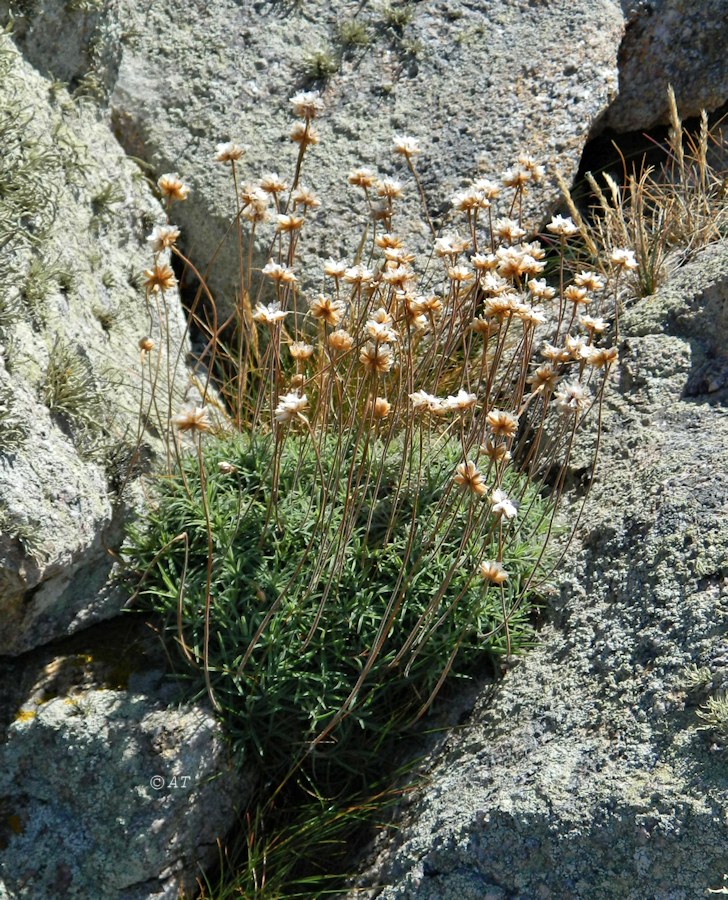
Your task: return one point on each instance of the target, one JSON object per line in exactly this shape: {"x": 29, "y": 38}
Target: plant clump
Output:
{"x": 363, "y": 506}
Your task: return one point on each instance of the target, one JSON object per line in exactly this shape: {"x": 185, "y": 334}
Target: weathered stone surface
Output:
{"x": 587, "y": 775}
{"x": 670, "y": 42}
{"x": 108, "y": 787}
{"x": 73, "y": 217}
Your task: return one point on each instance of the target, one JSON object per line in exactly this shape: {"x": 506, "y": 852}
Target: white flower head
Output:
{"x": 290, "y": 407}
{"x": 502, "y": 505}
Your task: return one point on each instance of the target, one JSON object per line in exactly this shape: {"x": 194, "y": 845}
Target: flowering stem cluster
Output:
{"x": 473, "y": 357}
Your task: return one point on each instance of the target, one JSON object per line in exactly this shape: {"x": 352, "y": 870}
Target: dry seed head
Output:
{"x": 146, "y": 345}
{"x": 172, "y": 187}
{"x": 571, "y": 398}
{"x": 305, "y": 197}
{"x": 485, "y": 328}
{"x": 159, "y": 278}
{"x": 460, "y": 402}
{"x": 502, "y": 424}
{"x": 489, "y": 189}
{"x": 501, "y": 307}
{"x": 516, "y": 177}
{"x": 493, "y": 284}
{"x": 383, "y": 334}
{"x": 484, "y": 262}
{"x": 340, "y": 341}
{"x": 390, "y": 188}
{"x": 272, "y": 183}
{"x": 290, "y": 407}
{"x": 226, "y": 468}
{"x": 545, "y": 378}
{"x": 300, "y": 351}
{"x": 307, "y": 104}
{"x": 297, "y": 382}
{"x": 288, "y": 223}
{"x": 600, "y": 357}
{"x": 363, "y": 178}
{"x": 554, "y": 354}
{"x": 508, "y": 230}
{"x": 459, "y": 274}
{"x": 376, "y": 358}
{"x": 328, "y": 310}
{"x": 502, "y": 505}
{"x": 589, "y": 280}
{"x": 530, "y": 315}
{"x": 398, "y": 256}
{"x": 514, "y": 263}
{"x": 228, "y": 152}
{"x": 575, "y": 346}
{"x": 388, "y": 241}
{"x": 269, "y": 314}
{"x": 592, "y": 325}
{"x": 469, "y": 478}
{"x": 380, "y": 408}
{"x": 163, "y": 237}
{"x": 563, "y": 226}
{"x": 497, "y": 453}
{"x": 450, "y": 245}
{"x": 534, "y": 249}
{"x": 335, "y": 268}
{"x": 539, "y": 290}
{"x": 399, "y": 277}
{"x": 358, "y": 275}
{"x": 304, "y": 134}
{"x": 623, "y": 259}
{"x": 276, "y": 272}
{"x": 493, "y": 572}
{"x": 468, "y": 200}
{"x": 577, "y": 295}
{"x": 424, "y": 402}
{"x": 406, "y": 146}
{"x": 536, "y": 170}
{"x": 192, "y": 419}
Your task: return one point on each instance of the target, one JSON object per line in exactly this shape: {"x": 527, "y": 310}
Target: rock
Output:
{"x": 670, "y": 42}
{"x": 108, "y": 787}
{"x": 73, "y": 218}
{"x": 586, "y": 775}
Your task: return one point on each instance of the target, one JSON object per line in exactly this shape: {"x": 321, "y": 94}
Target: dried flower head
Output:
{"x": 272, "y": 183}
{"x": 488, "y": 188}
{"x": 146, "y": 345}
{"x": 484, "y": 262}
{"x": 172, "y": 187}
{"x": 545, "y": 378}
{"x": 508, "y": 230}
{"x": 485, "y": 327}
{"x": 390, "y": 188}
{"x": 340, "y": 341}
{"x": 406, "y": 146}
{"x": 502, "y": 505}
{"x": 493, "y": 572}
{"x": 589, "y": 280}
{"x": 305, "y": 197}
{"x": 300, "y": 351}
{"x": 276, "y": 272}
{"x": 460, "y": 402}
{"x": 304, "y": 134}
{"x": 592, "y": 325}
{"x": 459, "y": 274}
{"x": 469, "y": 478}
{"x": 226, "y": 468}
{"x": 554, "y": 354}
{"x": 269, "y": 314}
{"x": 379, "y": 408}
{"x": 424, "y": 402}
{"x": 450, "y": 245}
{"x": 539, "y": 290}
{"x": 563, "y": 226}
{"x": 192, "y": 419}
{"x": 575, "y": 345}
{"x": 358, "y": 274}
{"x": 376, "y": 358}
{"x": 159, "y": 278}
{"x": 307, "y": 104}
{"x": 326, "y": 309}
{"x": 228, "y": 152}
{"x": 577, "y": 295}
{"x": 335, "y": 268}
{"x": 163, "y": 237}
{"x": 571, "y": 397}
{"x": 502, "y": 424}
{"x": 288, "y": 222}
{"x": 364, "y": 178}
{"x": 600, "y": 357}
{"x": 388, "y": 241}
{"x": 496, "y": 452}
{"x": 624, "y": 260}
{"x": 516, "y": 177}
{"x": 290, "y": 407}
